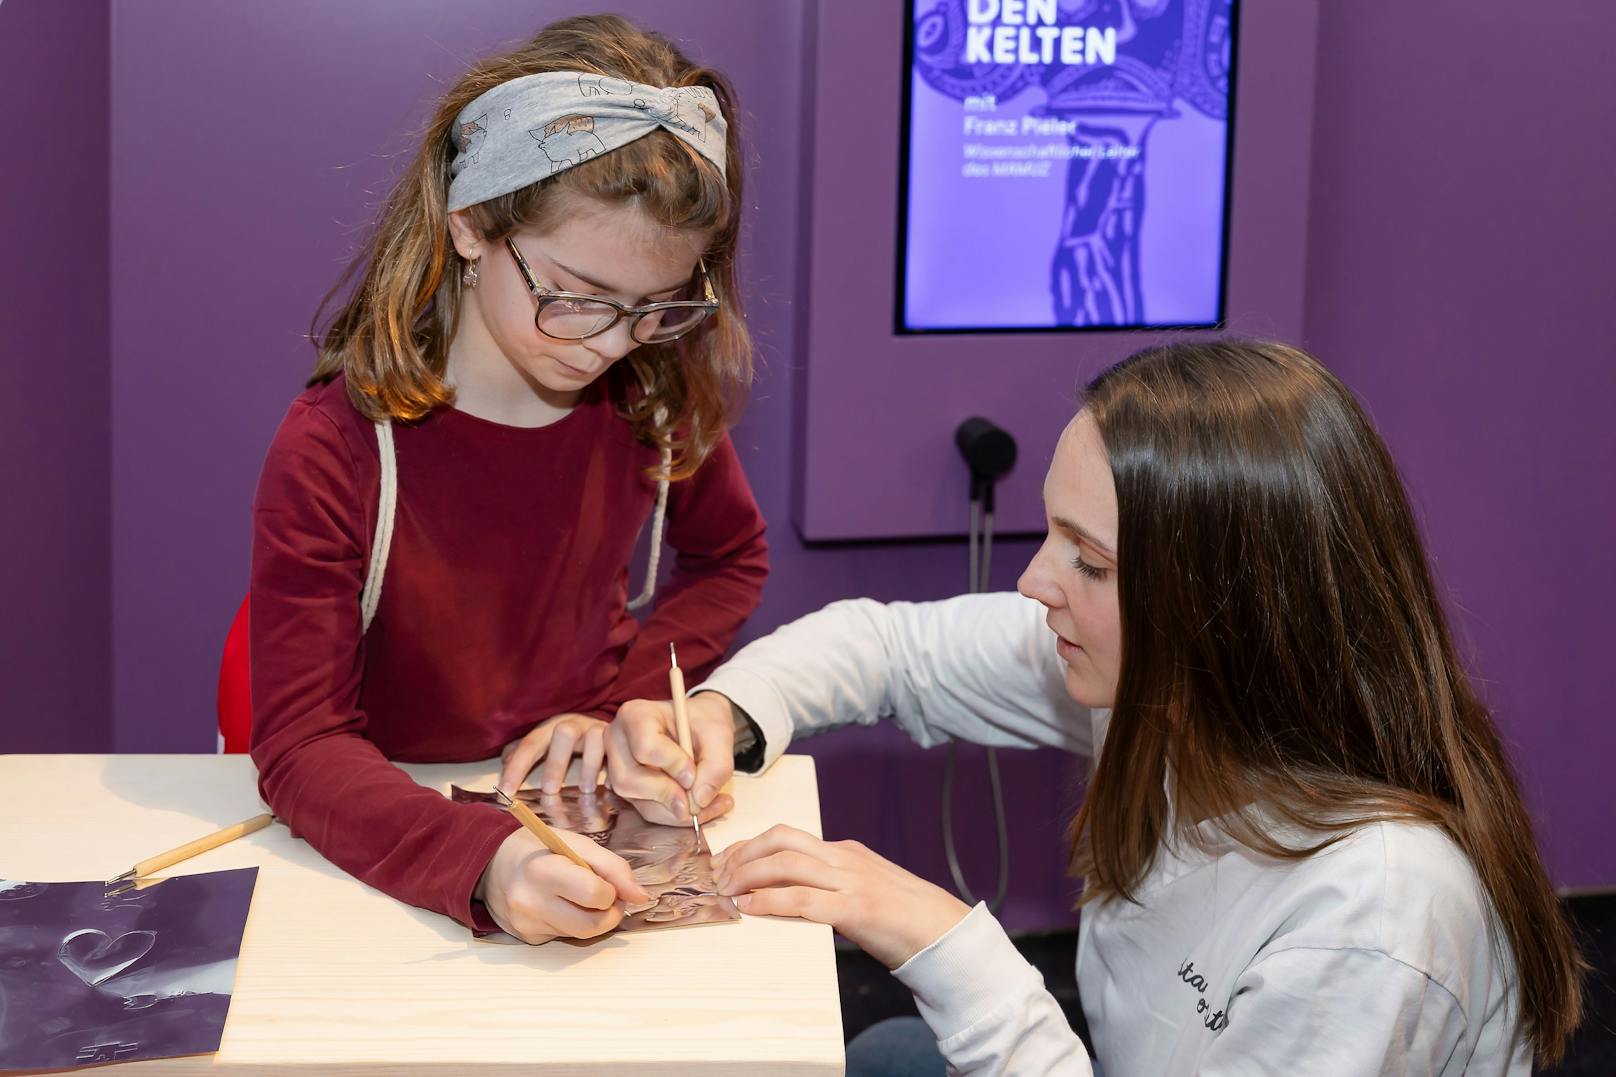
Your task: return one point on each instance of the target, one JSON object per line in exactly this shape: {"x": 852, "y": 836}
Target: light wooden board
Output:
{"x": 338, "y": 978}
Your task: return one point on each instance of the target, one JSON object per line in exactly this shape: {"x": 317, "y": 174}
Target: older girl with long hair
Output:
{"x": 1302, "y": 846}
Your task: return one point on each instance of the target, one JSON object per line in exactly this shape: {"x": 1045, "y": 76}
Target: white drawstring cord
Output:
{"x": 382, "y": 544}
{"x": 386, "y": 509}
{"x": 658, "y": 518}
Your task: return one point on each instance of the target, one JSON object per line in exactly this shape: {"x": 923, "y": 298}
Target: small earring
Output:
{"x": 469, "y": 276}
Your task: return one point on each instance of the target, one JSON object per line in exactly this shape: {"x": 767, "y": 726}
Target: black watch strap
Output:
{"x": 748, "y": 742}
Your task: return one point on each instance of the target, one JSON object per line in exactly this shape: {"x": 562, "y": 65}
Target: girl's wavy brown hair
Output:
{"x": 1284, "y": 646}
{"x": 391, "y": 336}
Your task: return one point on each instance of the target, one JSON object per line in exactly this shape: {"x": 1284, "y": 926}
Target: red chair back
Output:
{"x": 235, "y": 687}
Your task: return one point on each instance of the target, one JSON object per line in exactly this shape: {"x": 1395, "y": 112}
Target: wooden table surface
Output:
{"x": 338, "y": 978}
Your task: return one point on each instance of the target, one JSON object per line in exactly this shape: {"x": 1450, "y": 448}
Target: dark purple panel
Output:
{"x": 877, "y": 411}
{"x": 54, "y": 656}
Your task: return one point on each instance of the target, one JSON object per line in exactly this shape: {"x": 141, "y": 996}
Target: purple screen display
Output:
{"x": 1066, "y": 164}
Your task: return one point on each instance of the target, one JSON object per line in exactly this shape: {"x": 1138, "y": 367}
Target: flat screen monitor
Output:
{"x": 1065, "y": 164}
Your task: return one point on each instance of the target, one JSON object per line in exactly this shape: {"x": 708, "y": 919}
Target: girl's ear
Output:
{"x": 468, "y": 241}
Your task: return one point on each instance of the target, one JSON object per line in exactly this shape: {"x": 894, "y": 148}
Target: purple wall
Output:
{"x": 54, "y": 682}
{"x": 1461, "y": 257}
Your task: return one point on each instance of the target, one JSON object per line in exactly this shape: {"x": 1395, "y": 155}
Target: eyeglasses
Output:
{"x": 575, "y": 316}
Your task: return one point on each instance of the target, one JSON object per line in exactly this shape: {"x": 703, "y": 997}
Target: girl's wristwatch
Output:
{"x": 748, "y": 741}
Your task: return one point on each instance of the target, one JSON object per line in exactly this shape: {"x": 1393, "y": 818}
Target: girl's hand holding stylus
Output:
{"x": 555, "y": 741}
{"x": 536, "y": 895}
{"x": 646, "y": 766}
{"x": 889, "y": 913}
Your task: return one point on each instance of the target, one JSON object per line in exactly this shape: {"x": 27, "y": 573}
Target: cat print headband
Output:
{"x": 532, "y": 127}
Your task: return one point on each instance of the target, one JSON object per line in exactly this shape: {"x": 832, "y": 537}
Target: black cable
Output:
{"x": 979, "y": 565}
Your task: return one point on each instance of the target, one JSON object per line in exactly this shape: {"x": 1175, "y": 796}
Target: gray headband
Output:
{"x": 532, "y": 127}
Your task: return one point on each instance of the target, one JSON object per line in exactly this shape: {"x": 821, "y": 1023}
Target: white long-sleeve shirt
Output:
{"x": 1371, "y": 957}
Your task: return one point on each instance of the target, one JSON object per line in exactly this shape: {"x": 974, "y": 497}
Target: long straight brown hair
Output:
{"x": 390, "y": 336}
{"x": 1283, "y": 647}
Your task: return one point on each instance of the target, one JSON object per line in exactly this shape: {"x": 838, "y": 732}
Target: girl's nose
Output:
{"x": 613, "y": 344}
{"x": 1036, "y": 582}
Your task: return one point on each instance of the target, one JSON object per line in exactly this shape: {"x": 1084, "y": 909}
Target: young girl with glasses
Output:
{"x": 539, "y": 358}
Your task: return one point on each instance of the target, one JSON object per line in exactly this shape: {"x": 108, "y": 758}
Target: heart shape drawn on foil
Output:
{"x": 96, "y": 957}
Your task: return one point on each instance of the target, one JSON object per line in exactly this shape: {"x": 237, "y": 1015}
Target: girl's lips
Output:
{"x": 1066, "y": 648}
{"x": 569, "y": 368}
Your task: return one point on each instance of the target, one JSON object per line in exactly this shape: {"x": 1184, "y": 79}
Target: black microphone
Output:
{"x": 989, "y": 451}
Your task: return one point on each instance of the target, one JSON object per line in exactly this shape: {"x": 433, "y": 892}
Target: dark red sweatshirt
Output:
{"x": 503, "y": 604}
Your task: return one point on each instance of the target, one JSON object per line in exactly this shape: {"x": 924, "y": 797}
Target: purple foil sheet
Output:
{"x": 87, "y": 978}
{"x": 665, "y": 859}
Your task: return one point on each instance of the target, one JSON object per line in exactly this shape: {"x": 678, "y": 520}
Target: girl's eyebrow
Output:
{"x": 1077, "y": 532}
{"x": 593, "y": 283}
